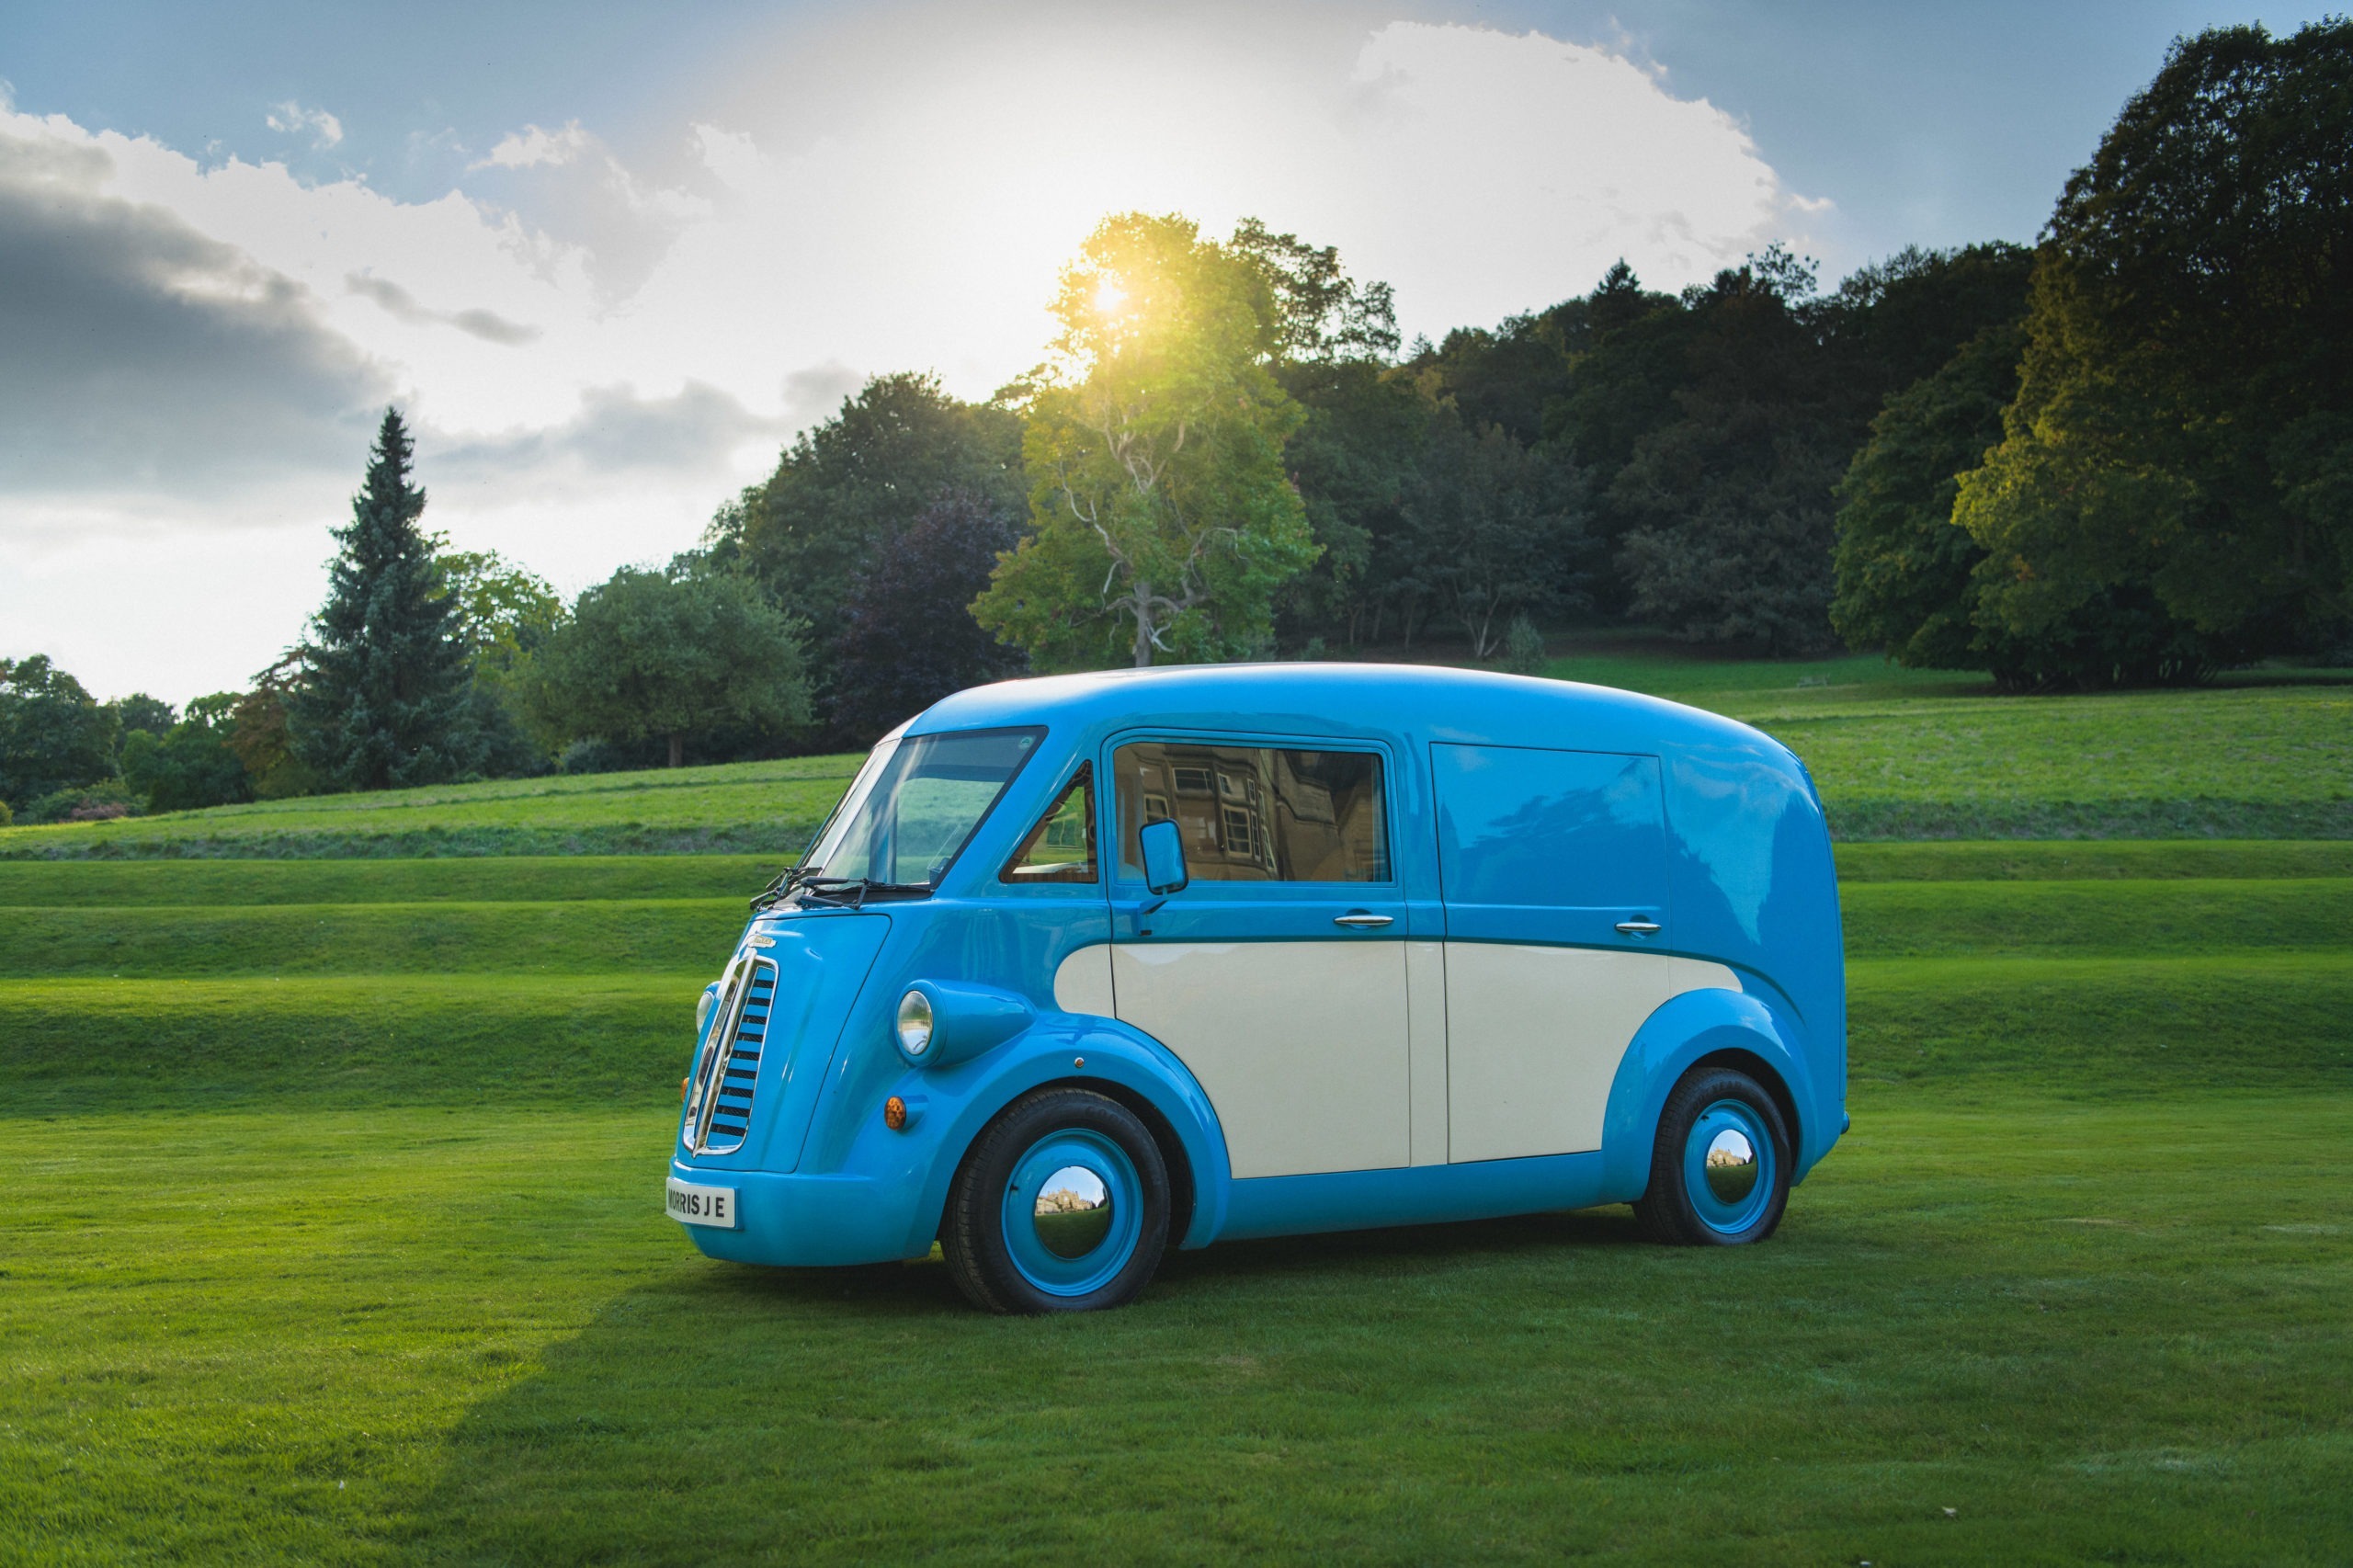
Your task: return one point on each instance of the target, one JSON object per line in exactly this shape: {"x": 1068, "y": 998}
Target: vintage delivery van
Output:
{"x": 1084, "y": 967}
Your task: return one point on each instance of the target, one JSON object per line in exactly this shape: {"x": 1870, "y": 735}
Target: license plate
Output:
{"x": 693, "y": 1205}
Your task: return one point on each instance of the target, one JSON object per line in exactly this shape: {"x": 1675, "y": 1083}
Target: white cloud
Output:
{"x": 293, "y": 119}
{"x": 594, "y": 354}
{"x": 531, "y": 147}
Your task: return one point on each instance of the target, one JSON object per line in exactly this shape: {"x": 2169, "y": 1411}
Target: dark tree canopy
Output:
{"x": 1729, "y": 502}
{"x": 139, "y": 711}
{"x": 848, "y": 486}
{"x": 1905, "y": 569}
{"x": 2180, "y": 451}
{"x": 669, "y": 655}
{"x": 386, "y": 703}
{"x": 1492, "y": 529}
{"x": 1904, "y": 318}
{"x": 53, "y": 735}
{"x": 1353, "y": 461}
{"x": 906, "y": 637}
{"x": 191, "y": 764}
{"x": 261, "y": 731}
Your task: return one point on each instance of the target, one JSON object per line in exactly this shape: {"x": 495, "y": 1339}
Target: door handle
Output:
{"x": 1360, "y": 921}
{"x": 1637, "y": 928}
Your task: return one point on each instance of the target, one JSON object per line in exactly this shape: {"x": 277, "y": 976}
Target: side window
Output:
{"x": 1061, "y": 849}
{"x": 1255, "y": 813}
{"x": 1536, "y": 829}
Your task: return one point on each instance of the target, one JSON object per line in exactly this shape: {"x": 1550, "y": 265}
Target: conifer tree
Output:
{"x": 386, "y": 701}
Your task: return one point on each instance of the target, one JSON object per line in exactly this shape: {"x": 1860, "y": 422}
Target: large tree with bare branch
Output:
{"x": 1164, "y": 520}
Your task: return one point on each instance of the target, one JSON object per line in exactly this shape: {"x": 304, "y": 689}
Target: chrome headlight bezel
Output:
{"x": 916, "y": 1026}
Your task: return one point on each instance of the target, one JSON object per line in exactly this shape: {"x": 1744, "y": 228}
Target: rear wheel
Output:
{"x": 1720, "y": 1168}
{"x": 1061, "y": 1205}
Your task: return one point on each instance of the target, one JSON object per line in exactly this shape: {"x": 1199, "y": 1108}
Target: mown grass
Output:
{"x": 565, "y": 937}
{"x": 2074, "y": 860}
{"x": 119, "y": 883}
{"x": 2258, "y": 764}
{"x": 752, "y": 807}
{"x": 72, "y": 1047}
{"x": 1898, "y": 755}
{"x": 336, "y": 1239}
{"x": 2091, "y": 1333}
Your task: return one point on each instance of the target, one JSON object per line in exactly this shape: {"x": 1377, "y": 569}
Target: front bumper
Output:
{"x": 806, "y": 1220}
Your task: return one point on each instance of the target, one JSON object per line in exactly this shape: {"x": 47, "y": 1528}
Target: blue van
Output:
{"x": 1085, "y": 966}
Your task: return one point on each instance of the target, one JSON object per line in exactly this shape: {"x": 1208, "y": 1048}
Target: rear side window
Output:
{"x": 1061, "y": 849}
{"x": 1532, "y": 829}
{"x": 1256, "y": 813}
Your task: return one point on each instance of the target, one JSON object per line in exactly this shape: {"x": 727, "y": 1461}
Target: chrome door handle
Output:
{"x": 1637, "y": 928}
{"x": 1363, "y": 922}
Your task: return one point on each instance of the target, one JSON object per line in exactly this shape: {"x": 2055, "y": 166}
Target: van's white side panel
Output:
{"x": 1300, "y": 1046}
{"x": 1083, "y": 982}
{"x": 1425, "y": 1000}
{"x": 1534, "y": 1037}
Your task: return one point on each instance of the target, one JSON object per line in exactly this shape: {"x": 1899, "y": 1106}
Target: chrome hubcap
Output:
{"x": 1731, "y": 1166}
{"x": 1072, "y": 1212}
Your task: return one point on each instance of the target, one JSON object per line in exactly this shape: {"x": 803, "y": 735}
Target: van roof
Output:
{"x": 1436, "y": 702}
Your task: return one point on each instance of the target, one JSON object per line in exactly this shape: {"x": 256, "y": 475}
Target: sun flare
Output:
{"x": 1109, "y": 298}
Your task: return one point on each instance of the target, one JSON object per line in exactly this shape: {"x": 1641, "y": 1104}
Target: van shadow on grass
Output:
{"x": 728, "y": 1413}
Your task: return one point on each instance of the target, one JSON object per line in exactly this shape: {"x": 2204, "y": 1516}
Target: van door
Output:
{"x": 1553, "y": 869}
{"x": 1278, "y": 976}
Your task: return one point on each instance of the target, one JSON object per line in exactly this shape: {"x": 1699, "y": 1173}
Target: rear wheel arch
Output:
{"x": 1768, "y": 1078}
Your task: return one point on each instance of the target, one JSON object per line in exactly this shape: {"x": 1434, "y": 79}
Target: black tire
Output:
{"x": 1670, "y": 1210}
{"x": 983, "y": 1260}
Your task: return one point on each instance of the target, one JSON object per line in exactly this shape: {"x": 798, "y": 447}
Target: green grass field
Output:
{"x": 1899, "y": 754}
{"x": 337, "y": 1233}
{"x": 765, "y": 808}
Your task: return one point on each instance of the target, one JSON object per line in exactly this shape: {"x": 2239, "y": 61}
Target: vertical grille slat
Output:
{"x": 720, "y": 1110}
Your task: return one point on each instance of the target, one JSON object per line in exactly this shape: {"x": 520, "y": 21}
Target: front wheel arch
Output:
{"x": 1181, "y": 1190}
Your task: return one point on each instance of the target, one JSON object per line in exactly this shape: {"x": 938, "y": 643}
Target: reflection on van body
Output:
{"x": 1159, "y": 958}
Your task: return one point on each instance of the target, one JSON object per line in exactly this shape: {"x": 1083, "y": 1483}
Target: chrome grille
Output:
{"x": 718, "y": 1111}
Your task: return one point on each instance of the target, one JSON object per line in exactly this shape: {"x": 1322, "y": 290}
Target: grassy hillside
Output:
{"x": 1898, "y": 755}
{"x": 764, "y": 808}
{"x": 336, "y": 1239}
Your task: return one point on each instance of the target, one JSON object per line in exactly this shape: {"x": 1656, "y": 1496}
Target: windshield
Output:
{"x": 913, "y": 804}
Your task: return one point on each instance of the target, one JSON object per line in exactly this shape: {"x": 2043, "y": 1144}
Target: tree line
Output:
{"x": 2121, "y": 456}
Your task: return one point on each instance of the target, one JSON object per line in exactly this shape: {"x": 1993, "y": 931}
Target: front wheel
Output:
{"x": 1061, "y": 1205}
{"x": 1719, "y": 1169}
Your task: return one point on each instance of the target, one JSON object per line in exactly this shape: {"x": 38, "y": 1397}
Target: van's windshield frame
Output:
{"x": 858, "y": 844}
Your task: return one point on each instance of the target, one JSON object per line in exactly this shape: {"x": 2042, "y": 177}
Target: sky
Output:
{"x": 607, "y": 259}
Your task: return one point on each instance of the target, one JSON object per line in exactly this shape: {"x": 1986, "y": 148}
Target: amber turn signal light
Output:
{"x": 682, "y": 1087}
{"x": 894, "y": 1114}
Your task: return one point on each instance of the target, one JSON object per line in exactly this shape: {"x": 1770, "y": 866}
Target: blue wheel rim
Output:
{"x": 1053, "y": 1274}
{"x": 1725, "y": 1218}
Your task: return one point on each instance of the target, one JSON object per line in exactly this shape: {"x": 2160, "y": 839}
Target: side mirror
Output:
{"x": 1164, "y": 858}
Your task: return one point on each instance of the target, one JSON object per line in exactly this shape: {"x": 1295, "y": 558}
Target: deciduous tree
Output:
{"x": 1905, "y": 569}
{"x": 667, "y": 654}
{"x": 2176, "y": 464}
{"x": 1164, "y": 520}
{"x": 1494, "y": 529}
{"x": 906, "y": 639}
{"x": 53, "y": 735}
{"x": 191, "y": 764}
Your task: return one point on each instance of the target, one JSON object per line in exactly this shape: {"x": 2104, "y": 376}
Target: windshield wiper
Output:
{"x": 855, "y": 889}
{"x": 780, "y": 890}
{"x": 806, "y": 882}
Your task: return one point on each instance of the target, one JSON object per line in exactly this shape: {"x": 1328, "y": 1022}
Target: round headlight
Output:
{"x": 915, "y": 1023}
{"x": 703, "y": 1007}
